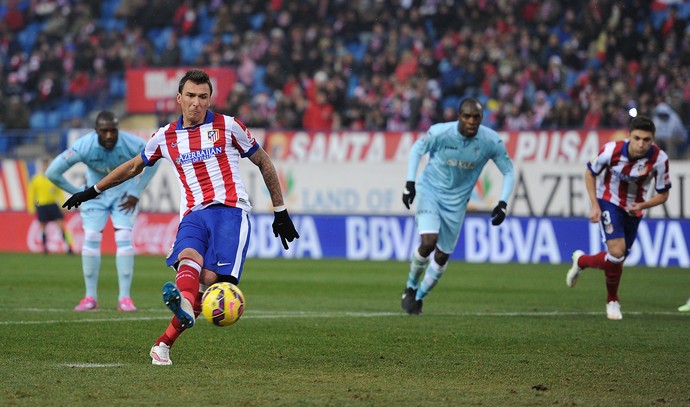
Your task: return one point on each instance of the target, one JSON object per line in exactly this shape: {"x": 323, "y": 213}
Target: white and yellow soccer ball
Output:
{"x": 222, "y": 304}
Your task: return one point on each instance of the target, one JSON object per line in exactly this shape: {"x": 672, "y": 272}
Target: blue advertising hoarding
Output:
{"x": 660, "y": 242}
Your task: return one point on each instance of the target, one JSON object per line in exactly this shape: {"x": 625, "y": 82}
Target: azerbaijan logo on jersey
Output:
{"x": 200, "y": 155}
{"x": 213, "y": 135}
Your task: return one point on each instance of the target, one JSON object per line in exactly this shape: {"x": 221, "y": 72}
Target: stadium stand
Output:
{"x": 384, "y": 65}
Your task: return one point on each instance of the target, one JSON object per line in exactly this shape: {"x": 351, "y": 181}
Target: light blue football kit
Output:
{"x": 94, "y": 213}
{"x": 445, "y": 186}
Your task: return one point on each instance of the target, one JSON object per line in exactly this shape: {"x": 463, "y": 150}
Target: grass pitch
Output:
{"x": 331, "y": 333}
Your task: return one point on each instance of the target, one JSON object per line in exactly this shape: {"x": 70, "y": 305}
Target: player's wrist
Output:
{"x": 279, "y": 208}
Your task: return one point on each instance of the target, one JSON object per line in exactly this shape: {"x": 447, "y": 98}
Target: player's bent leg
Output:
{"x": 433, "y": 274}
{"x": 418, "y": 264}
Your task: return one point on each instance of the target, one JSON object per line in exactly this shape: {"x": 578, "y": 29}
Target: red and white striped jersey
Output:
{"x": 623, "y": 181}
{"x": 206, "y": 158}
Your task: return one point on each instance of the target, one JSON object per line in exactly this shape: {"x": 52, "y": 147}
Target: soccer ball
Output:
{"x": 222, "y": 304}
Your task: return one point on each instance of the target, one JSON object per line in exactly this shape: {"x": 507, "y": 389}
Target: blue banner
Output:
{"x": 660, "y": 242}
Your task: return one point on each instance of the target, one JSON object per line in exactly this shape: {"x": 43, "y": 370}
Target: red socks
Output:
{"x": 187, "y": 281}
{"x": 187, "y": 278}
{"x": 174, "y": 329}
{"x": 612, "y": 271}
{"x": 592, "y": 260}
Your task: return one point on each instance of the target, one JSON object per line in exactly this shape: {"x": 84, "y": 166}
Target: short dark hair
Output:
{"x": 642, "y": 123}
{"x": 470, "y": 100}
{"x": 106, "y": 115}
{"x": 197, "y": 76}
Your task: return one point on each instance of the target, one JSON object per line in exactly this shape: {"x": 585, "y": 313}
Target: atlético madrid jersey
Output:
{"x": 623, "y": 181}
{"x": 206, "y": 159}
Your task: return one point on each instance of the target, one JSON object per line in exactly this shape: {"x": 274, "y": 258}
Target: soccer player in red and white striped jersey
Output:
{"x": 619, "y": 181}
{"x": 213, "y": 236}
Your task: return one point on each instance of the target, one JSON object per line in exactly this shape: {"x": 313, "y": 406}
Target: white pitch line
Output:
{"x": 310, "y": 314}
{"x": 99, "y": 365}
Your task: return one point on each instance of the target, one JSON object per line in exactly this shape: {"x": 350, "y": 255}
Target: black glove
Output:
{"x": 409, "y": 194}
{"x": 282, "y": 225}
{"x": 499, "y": 213}
{"x": 80, "y": 197}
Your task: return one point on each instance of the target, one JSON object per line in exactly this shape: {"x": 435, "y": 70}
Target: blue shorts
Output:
{"x": 220, "y": 234}
{"x": 432, "y": 217}
{"x": 616, "y": 223}
{"x": 48, "y": 213}
{"x": 94, "y": 213}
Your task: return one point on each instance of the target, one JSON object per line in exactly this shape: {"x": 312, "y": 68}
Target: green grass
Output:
{"x": 331, "y": 333}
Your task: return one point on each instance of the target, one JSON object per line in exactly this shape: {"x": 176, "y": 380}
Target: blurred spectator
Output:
{"x": 14, "y": 16}
{"x": 79, "y": 86}
{"x": 671, "y": 134}
{"x": 171, "y": 54}
{"x": 319, "y": 114}
{"x": 541, "y": 64}
{"x": 16, "y": 114}
{"x": 185, "y": 18}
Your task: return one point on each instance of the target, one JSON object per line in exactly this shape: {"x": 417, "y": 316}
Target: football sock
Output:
{"x": 417, "y": 266}
{"x": 187, "y": 279}
{"x": 613, "y": 269}
{"x": 91, "y": 265}
{"x": 124, "y": 262}
{"x": 44, "y": 239}
{"x": 592, "y": 260}
{"x": 433, "y": 273}
{"x": 174, "y": 329}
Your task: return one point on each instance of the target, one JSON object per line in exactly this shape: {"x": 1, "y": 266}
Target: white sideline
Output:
{"x": 257, "y": 314}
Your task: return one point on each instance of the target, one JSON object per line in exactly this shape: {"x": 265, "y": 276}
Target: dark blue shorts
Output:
{"x": 220, "y": 234}
{"x": 616, "y": 222}
{"x": 48, "y": 213}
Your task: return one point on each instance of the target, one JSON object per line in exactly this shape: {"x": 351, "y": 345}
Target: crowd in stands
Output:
{"x": 358, "y": 64}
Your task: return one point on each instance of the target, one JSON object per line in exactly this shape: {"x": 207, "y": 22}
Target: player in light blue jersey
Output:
{"x": 457, "y": 154}
{"x": 103, "y": 150}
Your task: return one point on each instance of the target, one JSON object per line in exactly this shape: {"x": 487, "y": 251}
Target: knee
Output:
{"x": 616, "y": 253}
{"x": 427, "y": 245}
{"x": 191, "y": 254}
{"x": 92, "y": 243}
{"x": 123, "y": 240}
{"x": 441, "y": 258}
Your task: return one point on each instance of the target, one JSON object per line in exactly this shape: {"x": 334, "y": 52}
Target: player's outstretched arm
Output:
{"x": 122, "y": 173}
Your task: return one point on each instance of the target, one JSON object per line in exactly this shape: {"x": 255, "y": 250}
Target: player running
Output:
{"x": 458, "y": 152}
{"x": 618, "y": 181}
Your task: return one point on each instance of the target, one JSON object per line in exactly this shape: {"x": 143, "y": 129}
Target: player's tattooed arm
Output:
{"x": 261, "y": 159}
